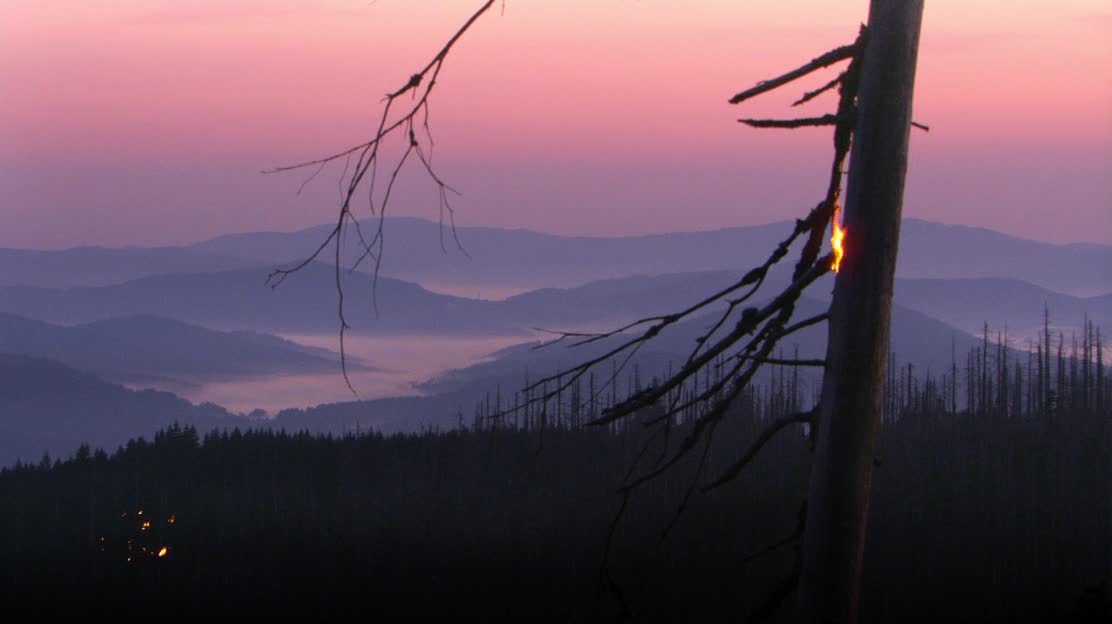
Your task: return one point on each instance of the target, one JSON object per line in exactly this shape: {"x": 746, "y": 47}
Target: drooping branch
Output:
{"x": 794, "y": 536}
{"x": 737, "y": 343}
{"x": 750, "y": 320}
{"x": 709, "y": 345}
{"x": 413, "y": 83}
{"x": 368, "y": 154}
{"x": 786, "y": 362}
{"x": 691, "y": 486}
{"x": 770, "y": 432}
{"x": 717, "y": 410}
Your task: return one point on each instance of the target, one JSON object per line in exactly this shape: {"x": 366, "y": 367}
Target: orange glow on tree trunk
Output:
{"x": 837, "y": 238}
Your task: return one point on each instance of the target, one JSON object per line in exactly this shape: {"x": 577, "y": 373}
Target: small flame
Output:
{"x": 163, "y": 551}
{"x": 837, "y": 237}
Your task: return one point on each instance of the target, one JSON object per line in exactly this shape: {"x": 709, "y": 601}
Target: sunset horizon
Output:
{"x": 145, "y": 122}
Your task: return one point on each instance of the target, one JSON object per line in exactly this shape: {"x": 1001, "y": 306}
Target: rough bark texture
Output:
{"x": 838, "y": 501}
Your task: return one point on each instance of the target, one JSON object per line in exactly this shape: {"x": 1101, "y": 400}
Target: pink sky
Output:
{"x": 146, "y": 122}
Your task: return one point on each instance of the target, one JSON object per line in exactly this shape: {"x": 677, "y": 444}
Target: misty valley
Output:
{"x": 173, "y": 428}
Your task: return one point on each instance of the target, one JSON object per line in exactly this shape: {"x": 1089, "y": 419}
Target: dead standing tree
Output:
{"x": 872, "y": 116}
{"x": 838, "y": 500}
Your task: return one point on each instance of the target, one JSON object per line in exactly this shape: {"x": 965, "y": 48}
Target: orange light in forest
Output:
{"x": 837, "y": 237}
{"x": 162, "y": 552}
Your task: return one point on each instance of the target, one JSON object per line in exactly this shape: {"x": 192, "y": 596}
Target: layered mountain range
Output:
{"x": 76, "y": 323}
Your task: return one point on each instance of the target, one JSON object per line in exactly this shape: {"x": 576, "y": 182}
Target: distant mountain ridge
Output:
{"x": 197, "y": 311}
{"x": 46, "y": 406}
{"x": 518, "y": 259}
{"x": 137, "y": 349}
{"x": 1005, "y": 304}
{"x": 102, "y": 266}
{"x": 240, "y": 300}
{"x": 307, "y": 303}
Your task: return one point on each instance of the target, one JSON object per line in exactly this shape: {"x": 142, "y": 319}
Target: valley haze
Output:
{"x": 200, "y": 321}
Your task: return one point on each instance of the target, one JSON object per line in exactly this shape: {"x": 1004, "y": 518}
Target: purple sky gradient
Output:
{"x": 144, "y": 123}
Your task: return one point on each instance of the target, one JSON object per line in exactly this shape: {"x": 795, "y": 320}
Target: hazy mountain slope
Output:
{"x": 47, "y": 406}
{"x": 527, "y": 260}
{"x": 934, "y": 250}
{"x": 915, "y": 336}
{"x": 616, "y": 299}
{"x": 1017, "y": 305}
{"x": 142, "y": 348}
{"x": 964, "y": 303}
{"x": 524, "y": 259}
{"x": 101, "y": 266}
{"x": 499, "y": 259}
{"x": 1101, "y": 302}
{"x": 919, "y": 338}
{"x": 306, "y": 302}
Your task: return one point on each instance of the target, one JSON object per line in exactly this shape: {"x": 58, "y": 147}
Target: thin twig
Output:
{"x": 769, "y": 432}
{"x": 810, "y": 95}
{"x": 421, "y": 85}
{"x": 825, "y": 60}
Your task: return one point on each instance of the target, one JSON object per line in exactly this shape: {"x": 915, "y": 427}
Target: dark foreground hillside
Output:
{"x": 974, "y": 520}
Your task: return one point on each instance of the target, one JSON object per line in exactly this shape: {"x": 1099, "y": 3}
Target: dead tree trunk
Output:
{"x": 838, "y": 500}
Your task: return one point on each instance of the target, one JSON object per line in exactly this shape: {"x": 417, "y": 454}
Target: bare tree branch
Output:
{"x": 825, "y": 60}
{"x": 769, "y": 432}
{"x": 794, "y": 536}
{"x": 803, "y": 122}
{"x": 810, "y": 95}
{"x": 691, "y": 486}
{"x": 420, "y": 85}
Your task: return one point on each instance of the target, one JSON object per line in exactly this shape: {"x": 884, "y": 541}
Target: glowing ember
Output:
{"x": 837, "y": 237}
{"x": 146, "y": 531}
